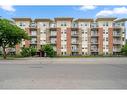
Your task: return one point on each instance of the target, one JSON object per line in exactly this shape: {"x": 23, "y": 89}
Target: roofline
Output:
{"x": 43, "y": 19}
{"x": 83, "y": 19}
{"x": 105, "y": 19}
{"x": 122, "y": 19}
{"x": 23, "y": 19}
{"x": 63, "y": 18}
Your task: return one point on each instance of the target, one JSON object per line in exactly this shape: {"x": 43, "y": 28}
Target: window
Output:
{"x": 44, "y": 24}
{"x": 65, "y": 24}
{"x": 123, "y": 39}
{"x": 85, "y": 24}
{"x": 103, "y": 24}
{"x": 106, "y": 23}
{"x": 61, "y": 24}
{"x": 21, "y": 24}
{"x": 106, "y": 39}
{"x": 122, "y": 24}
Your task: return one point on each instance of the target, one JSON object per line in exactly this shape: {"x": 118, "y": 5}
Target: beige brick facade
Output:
{"x": 75, "y": 37}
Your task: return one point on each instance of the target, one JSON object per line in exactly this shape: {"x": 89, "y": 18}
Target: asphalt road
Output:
{"x": 36, "y": 74}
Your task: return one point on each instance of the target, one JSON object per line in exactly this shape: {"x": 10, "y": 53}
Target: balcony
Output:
{"x": 116, "y": 35}
{"x": 33, "y": 34}
{"x": 74, "y": 43}
{"x": 53, "y": 34}
{"x": 33, "y": 42}
{"x": 33, "y": 25}
{"x": 74, "y": 25}
{"x": 116, "y": 26}
{"x": 75, "y": 50}
{"x": 74, "y": 35}
{"x": 94, "y": 42}
{"x": 53, "y": 43}
{"x": 94, "y": 50}
{"x": 94, "y": 34}
{"x": 116, "y": 49}
{"x": 94, "y": 25}
{"x": 117, "y": 42}
{"x": 53, "y": 25}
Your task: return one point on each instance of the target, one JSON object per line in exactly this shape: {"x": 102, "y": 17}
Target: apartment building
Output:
{"x": 70, "y": 36}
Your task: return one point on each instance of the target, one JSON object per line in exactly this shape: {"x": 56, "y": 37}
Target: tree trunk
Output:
{"x": 4, "y": 53}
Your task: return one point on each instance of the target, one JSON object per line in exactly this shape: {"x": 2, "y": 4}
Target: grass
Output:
{"x": 85, "y": 56}
{"x": 19, "y": 56}
{"x": 11, "y": 57}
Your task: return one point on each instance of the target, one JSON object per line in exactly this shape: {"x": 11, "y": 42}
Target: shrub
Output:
{"x": 26, "y": 52}
{"x": 48, "y": 49}
{"x": 124, "y": 50}
{"x": 32, "y": 51}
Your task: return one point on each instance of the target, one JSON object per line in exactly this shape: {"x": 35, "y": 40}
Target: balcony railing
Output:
{"x": 116, "y": 49}
{"x": 52, "y": 25}
{"x": 94, "y": 42}
{"x": 74, "y": 50}
{"x": 53, "y": 42}
{"x": 116, "y": 34}
{"x": 33, "y": 42}
{"x": 94, "y": 50}
{"x": 33, "y": 25}
{"x": 94, "y": 34}
{"x": 74, "y": 43}
{"x": 94, "y": 25}
{"x": 74, "y": 35}
{"x": 117, "y": 42}
{"x": 53, "y": 35}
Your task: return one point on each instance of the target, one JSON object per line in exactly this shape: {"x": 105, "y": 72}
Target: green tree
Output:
{"x": 48, "y": 49}
{"x": 124, "y": 50}
{"x": 32, "y": 51}
{"x": 28, "y": 51}
{"x": 25, "y": 52}
{"x": 10, "y": 35}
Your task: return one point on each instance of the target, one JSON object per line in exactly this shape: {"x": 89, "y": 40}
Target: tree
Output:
{"x": 48, "y": 49}
{"x": 25, "y": 52}
{"x": 124, "y": 50}
{"x": 28, "y": 51}
{"x": 10, "y": 35}
{"x": 32, "y": 51}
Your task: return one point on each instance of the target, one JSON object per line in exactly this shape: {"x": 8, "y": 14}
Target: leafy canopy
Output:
{"x": 10, "y": 34}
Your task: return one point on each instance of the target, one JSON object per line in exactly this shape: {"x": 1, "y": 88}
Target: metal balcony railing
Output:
{"x": 116, "y": 49}
{"x": 33, "y": 25}
{"x": 33, "y": 42}
{"x": 74, "y": 42}
{"x": 94, "y": 50}
{"x": 74, "y": 50}
{"x": 116, "y": 34}
{"x": 117, "y": 42}
{"x": 94, "y": 34}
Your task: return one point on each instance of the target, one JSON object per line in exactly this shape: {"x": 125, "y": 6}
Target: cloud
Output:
{"x": 86, "y": 7}
{"x": 8, "y": 8}
{"x": 114, "y": 11}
